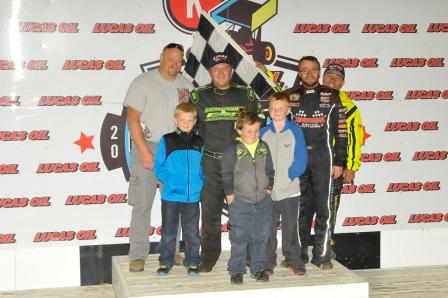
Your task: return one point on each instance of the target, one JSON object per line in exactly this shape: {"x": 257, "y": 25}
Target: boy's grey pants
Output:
{"x": 287, "y": 209}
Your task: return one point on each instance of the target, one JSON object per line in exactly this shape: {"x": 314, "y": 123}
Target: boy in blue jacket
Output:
{"x": 289, "y": 155}
{"x": 177, "y": 165}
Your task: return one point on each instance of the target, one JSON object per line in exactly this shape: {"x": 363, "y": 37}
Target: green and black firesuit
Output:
{"x": 216, "y": 113}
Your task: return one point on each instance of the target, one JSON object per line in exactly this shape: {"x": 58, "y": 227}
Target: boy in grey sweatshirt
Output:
{"x": 287, "y": 145}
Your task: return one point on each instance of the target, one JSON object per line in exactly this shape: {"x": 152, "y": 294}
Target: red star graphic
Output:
{"x": 366, "y": 135}
{"x": 85, "y": 142}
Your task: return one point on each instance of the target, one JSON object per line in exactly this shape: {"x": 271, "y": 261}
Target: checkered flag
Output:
{"x": 210, "y": 39}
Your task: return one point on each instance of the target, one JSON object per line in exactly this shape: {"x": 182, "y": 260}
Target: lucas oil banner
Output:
{"x": 65, "y": 67}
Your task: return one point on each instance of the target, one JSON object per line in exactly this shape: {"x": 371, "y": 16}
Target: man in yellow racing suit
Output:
{"x": 334, "y": 77}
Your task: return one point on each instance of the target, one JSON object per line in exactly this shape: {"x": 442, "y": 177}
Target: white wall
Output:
{"x": 32, "y": 268}
{"x": 414, "y": 248}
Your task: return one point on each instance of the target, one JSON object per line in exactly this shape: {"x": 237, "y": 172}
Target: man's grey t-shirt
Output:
{"x": 157, "y": 98}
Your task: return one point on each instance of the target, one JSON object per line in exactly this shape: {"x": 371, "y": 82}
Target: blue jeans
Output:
{"x": 189, "y": 217}
{"x": 250, "y": 225}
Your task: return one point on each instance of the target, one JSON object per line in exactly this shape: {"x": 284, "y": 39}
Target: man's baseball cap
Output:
{"x": 339, "y": 69}
{"x": 218, "y": 58}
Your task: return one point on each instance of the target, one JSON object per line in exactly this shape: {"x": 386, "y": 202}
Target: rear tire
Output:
{"x": 264, "y": 53}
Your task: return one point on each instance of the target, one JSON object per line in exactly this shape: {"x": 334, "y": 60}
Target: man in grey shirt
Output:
{"x": 150, "y": 100}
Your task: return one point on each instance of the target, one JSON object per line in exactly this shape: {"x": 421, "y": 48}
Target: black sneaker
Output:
{"x": 205, "y": 267}
{"x": 260, "y": 275}
{"x": 193, "y": 270}
{"x": 163, "y": 270}
{"x": 325, "y": 265}
{"x": 236, "y": 278}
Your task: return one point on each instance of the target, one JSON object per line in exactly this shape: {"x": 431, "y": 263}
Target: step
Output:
{"x": 338, "y": 282}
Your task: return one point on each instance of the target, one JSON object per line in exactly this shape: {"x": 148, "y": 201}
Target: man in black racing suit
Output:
{"x": 320, "y": 114}
{"x": 217, "y": 105}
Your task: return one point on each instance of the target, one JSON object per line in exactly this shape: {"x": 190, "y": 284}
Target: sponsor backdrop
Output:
{"x": 65, "y": 67}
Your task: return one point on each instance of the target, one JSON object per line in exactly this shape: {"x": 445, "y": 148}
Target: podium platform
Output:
{"x": 338, "y": 282}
